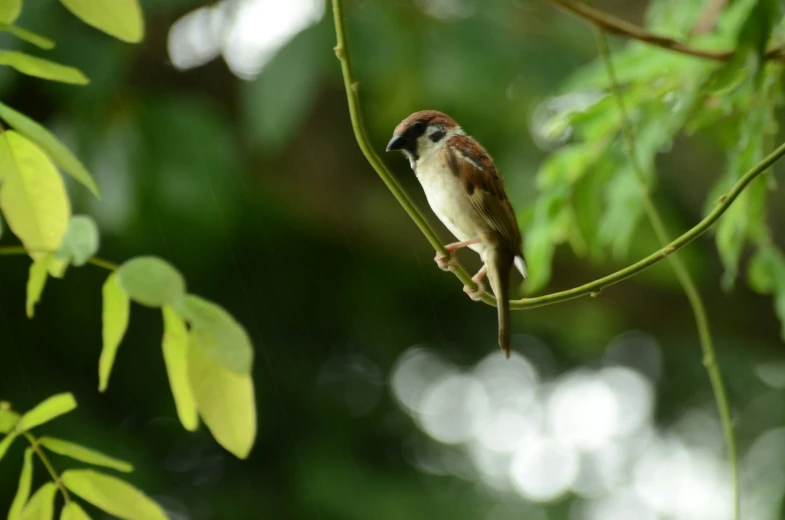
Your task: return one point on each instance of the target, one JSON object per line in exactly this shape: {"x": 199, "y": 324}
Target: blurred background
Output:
{"x": 223, "y": 144}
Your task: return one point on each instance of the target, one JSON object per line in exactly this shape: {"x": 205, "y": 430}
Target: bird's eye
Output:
{"x": 418, "y": 129}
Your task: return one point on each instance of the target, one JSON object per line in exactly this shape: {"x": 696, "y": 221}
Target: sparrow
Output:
{"x": 466, "y": 192}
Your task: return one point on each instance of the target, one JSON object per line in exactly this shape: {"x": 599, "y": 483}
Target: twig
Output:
{"x": 614, "y": 25}
{"x": 96, "y": 261}
{"x": 52, "y": 472}
{"x": 592, "y": 288}
{"x": 351, "y": 85}
{"x": 682, "y": 274}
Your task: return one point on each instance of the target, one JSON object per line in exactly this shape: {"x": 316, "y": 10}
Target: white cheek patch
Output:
{"x": 426, "y": 146}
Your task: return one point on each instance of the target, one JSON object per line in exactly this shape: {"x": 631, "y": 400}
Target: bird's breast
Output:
{"x": 449, "y": 201}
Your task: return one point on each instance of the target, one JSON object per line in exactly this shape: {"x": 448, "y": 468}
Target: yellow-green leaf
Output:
{"x": 9, "y": 10}
{"x": 6, "y": 442}
{"x": 116, "y": 308}
{"x": 225, "y": 400}
{"x": 221, "y": 337}
{"x": 36, "y": 280}
{"x": 150, "y": 281}
{"x": 8, "y": 419}
{"x": 23, "y": 489}
{"x": 32, "y": 196}
{"x": 50, "y": 144}
{"x": 42, "y": 68}
{"x": 175, "y": 349}
{"x": 84, "y": 454}
{"x": 113, "y": 495}
{"x": 119, "y": 18}
{"x": 80, "y": 242}
{"x": 42, "y": 504}
{"x": 28, "y": 36}
{"x": 73, "y": 511}
{"x": 47, "y": 410}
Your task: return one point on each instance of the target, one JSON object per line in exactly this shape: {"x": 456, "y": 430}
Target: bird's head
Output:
{"x": 422, "y": 133}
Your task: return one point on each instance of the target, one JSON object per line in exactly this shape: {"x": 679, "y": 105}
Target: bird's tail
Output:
{"x": 499, "y": 262}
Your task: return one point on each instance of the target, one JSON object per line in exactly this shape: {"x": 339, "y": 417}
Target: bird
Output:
{"x": 466, "y": 192}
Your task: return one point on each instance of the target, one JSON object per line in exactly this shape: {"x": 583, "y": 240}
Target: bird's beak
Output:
{"x": 398, "y": 142}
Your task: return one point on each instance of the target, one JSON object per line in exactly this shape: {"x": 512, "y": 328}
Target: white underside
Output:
{"x": 449, "y": 200}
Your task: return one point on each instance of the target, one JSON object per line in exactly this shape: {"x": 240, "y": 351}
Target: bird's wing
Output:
{"x": 485, "y": 188}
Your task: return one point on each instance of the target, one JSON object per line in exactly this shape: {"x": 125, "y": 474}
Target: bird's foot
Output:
{"x": 445, "y": 261}
{"x": 475, "y": 295}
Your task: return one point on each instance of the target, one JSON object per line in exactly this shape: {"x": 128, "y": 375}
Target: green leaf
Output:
{"x": 23, "y": 489}
{"x": 42, "y": 68}
{"x": 624, "y": 208}
{"x": 28, "y": 36}
{"x": 39, "y": 271}
{"x": 32, "y": 195}
{"x": 222, "y": 338}
{"x": 84, "y": 454}
{"x": 9, "y": 10}
{"x": 538, "y": 252}
{"x": 150, "y": 281}
{"x": 50, "y": 144}
{"x": 42, "y": 504}
{"x": 6, "y": 442}
{"x": 766, "y": 269}
{"x": 73, "y": 511}
{"x": 116, "y": 308}
{"x": 755, "y": 34}
{"x": 111, "y": 494}
{"x": 47, "y": 410}
{"x": 225, "y": 400}
{"x": 8, "y": 419}
{"x": 119, "y": 18}
{"x": 175, "y": 349}
{"x": 81, "y": 240}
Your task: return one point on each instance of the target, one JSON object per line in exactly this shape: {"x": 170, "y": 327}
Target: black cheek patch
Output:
{"x": 436, "y": 136}
{"x": 469, "y": 188}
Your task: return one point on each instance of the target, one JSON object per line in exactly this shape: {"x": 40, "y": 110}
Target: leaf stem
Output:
{"x": 682, "y": 274}
{"x": 52, "y": 472}
{"x": 591, "y": 288}
{"x": 96, "y": 261}
{"x": 611, "y": 24}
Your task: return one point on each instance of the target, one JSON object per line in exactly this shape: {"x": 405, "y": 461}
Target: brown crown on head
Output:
{"x": 428, "y": 117}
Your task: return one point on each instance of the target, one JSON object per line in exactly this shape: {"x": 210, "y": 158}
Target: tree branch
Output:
{"x": 614, "y": 25}
{"x": 592, "y": 288}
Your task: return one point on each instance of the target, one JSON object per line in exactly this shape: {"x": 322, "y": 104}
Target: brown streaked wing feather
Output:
{"x": 467, "y": 159}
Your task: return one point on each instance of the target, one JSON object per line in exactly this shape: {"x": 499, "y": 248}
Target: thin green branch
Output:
{"x": 52, "y": 472}
{"x": 682, "y": 274}
{"x": 351, "y": 85}
{"x": 592, "y": 288}
{"x": 96, "y": 261}
{"x": 611, "y": 24}
{"x": 103, "y": 264}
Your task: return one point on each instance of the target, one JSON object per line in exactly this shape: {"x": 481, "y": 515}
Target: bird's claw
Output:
{"x": 445, "y": 261}
{"x": 475, "y": 295}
